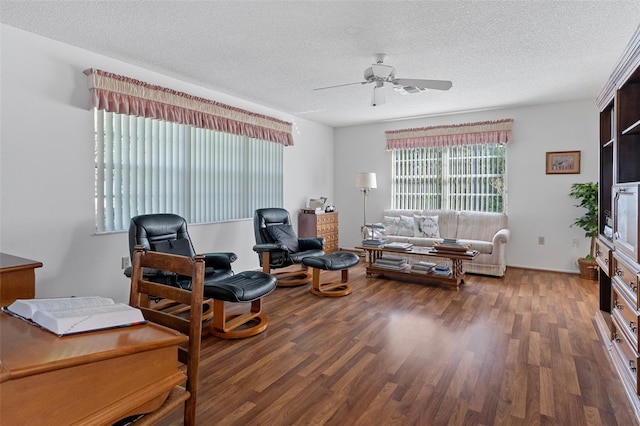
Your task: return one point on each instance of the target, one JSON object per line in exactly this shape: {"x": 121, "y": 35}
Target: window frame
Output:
{"x": 445, "y": 173}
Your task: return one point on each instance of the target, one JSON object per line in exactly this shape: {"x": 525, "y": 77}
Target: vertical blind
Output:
{"x": 457, "y": 178}
{"x": 145, "y": 165}
{"x": 457, "y": 167}
{"x": 417, "y": 179}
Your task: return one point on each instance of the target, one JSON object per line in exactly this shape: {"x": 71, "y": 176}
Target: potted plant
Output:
{"x": 587, "y": 194}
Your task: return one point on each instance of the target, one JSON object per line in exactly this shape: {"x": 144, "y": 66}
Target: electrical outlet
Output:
{"x": 126, "y": 262}
{"x": 541, "y": 240}
{"x": 576, "y": 242}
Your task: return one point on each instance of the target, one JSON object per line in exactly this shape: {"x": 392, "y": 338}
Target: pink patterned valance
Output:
{"x": 116, "y": 93}
{"x": 460, "y": 134}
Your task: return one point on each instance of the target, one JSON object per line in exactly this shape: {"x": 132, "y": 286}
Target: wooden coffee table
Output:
{"x": 453, "y": 279}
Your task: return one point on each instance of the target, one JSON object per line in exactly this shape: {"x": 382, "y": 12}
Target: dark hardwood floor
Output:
{"x": 522, "y": 350}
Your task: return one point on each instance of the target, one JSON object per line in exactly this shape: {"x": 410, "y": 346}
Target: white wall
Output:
{"x": 47, "y": 168}
{"x": 538, "y": 204}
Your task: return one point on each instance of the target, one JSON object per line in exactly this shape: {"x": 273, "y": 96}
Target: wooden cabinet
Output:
{"x": 324, "y": 225}
{"x": 17, "y": 278}
{"x": 619, "y": 275}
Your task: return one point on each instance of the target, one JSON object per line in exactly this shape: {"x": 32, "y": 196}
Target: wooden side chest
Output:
{"x": 323, "y": 225}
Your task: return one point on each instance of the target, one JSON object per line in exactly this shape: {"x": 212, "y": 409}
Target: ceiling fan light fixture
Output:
{"x": 384, "y": 72}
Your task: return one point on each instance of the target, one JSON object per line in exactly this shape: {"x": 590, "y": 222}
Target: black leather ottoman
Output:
{"x": 247, "y": 286}
{"x": 338, "y": 261}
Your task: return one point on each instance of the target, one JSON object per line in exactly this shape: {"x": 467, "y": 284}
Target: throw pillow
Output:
{"x": 391, "y": 224}
{"x": 283, "y": 234}
{"x": 426, "y": 226}
{"x": 405, "y": 226}
{"x": 179, "y": 247}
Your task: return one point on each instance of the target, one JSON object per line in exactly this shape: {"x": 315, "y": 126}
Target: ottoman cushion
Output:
{"x": 245, "y": 286}
{"x": 332, "y": 262}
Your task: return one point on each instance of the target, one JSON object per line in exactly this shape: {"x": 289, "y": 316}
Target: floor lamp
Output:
{"x": 365, "y": 182}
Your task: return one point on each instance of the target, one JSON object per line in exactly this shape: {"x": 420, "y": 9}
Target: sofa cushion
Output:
{"x": 391, "y": 224}
{"x": 423, "y": 241}
{"x": 447, "y": 222}
{"x": 480, "y": 226}
{"x": 485, "y": 247}
{"x": 398, "y": 239}
{"x": 426, "y": 226}
{"x": 405, "y": 226}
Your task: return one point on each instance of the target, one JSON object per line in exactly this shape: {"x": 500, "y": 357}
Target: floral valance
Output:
{"x": 124, "y": 95}
{"x": 460, "y": 134}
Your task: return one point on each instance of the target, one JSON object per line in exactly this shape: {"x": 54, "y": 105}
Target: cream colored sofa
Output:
{"x": 486, "y": 232}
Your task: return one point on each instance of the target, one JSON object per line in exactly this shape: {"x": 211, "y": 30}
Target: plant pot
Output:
{"x": 588, "y": 269}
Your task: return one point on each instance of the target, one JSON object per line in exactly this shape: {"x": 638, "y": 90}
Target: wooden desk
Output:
{"x": 91, "y": 378}
{"x": 17, "y": 278}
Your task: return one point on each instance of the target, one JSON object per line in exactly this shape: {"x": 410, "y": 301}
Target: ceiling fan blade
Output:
{"x": 342, "y": 85}
{"x": 423, "y": 84}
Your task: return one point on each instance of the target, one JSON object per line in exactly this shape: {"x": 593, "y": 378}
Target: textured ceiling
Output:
{"x": 497, "y": 54}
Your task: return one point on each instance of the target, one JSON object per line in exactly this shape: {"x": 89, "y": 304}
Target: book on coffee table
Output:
{"x": 422, "y": 267}
{"x": 398, "y": 246}
{"x": 451, "y": 247}
{"x": 391, "y": 262}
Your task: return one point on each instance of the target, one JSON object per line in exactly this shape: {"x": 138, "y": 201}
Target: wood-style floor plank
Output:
{"x": 518, "y": 350}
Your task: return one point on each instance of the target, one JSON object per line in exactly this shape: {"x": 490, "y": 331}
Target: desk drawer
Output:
{"x": 625, "y": 275}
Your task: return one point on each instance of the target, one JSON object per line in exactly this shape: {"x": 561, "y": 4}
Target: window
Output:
{"x": 146, "y": 165}
{"x": 161, "y": 150}
{"x": 456, "y": 167}
{"x": 468, "y": 177}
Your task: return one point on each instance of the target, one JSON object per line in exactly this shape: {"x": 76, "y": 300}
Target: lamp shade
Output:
{"x": 366, "y": 181}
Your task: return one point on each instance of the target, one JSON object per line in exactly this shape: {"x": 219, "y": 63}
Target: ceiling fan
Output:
{"x": 379, "y": 73}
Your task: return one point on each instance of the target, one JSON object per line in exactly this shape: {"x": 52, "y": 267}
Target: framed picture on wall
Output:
{"x": 563, "y": 162}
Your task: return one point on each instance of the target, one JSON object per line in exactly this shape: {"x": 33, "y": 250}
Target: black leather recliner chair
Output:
{"x": 167, "y": 233}
{"x": 278, "y": 246}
